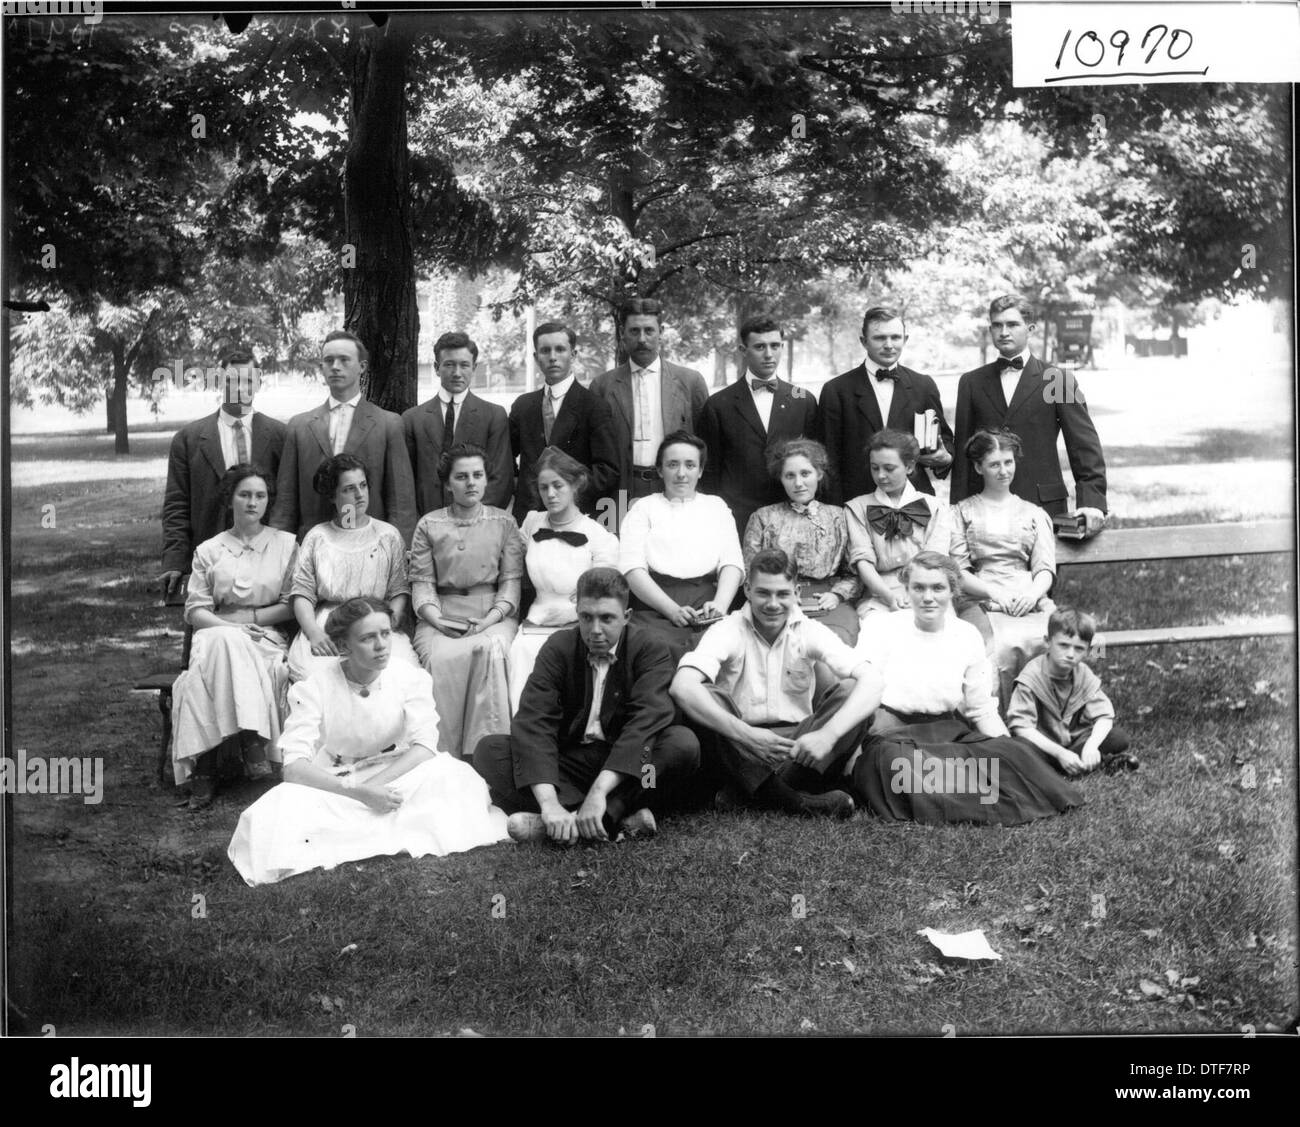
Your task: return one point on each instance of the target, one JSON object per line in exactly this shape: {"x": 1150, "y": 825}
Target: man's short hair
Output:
{"x": 1014, "y": 301}
{"x": 235, "y": 356}
{"x": 881, "y": 313}
{"x": 641, "y": 307}
{"x": 449, "y": 341}
{"x": 342, "y": 334}
{"x": 555, "y": 327}
{"x": 759, "y": 323}
{"x": 603, "y": 583}
{"x": 1075, "y": 623}
{"x": 772, "y": 561}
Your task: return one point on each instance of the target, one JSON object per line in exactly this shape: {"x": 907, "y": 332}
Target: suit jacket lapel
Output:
{"x": 868, "y": 405}
{"x": 319, "y": 425}
{"x": 623, "y": 394}
{"x": 986, "y": 381}
{"x": 671, "y": 398}
{"x": 743, "y": 402}
{"x": 433, "y": 422}
{"x": 900, "y": 409}
{"x": 564, "y": 421}
{"x": 1031, "y": 380}
{"x": 466, "y": 414}
{"x": 363, "y": 418}
{"x": 210, "y": 439}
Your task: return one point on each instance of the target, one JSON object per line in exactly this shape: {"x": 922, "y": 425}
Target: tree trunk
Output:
{"x": 111, "y": 424}
{"x": 117, "y": 398}
{"x": 379, "y": 290}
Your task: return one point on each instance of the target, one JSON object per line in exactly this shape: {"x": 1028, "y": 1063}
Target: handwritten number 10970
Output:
{"x": 1089, "y": 50}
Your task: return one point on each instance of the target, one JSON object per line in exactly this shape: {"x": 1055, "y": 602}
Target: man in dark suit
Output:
{"x": 563, "y": 414}
{"x": 1019, "y": 392}
{"x": 346, "y": 423}
{"x": 201, "y": 452}
{"x": 593, "y": 749}
{"x": 740, "y": 422}
{"x": 473, "y": 420}
{"x": 648, "y": 398}
{"x": 878, "y": 394}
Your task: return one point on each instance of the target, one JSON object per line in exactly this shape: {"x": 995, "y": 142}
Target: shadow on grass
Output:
{"x": 1216, "y": 445}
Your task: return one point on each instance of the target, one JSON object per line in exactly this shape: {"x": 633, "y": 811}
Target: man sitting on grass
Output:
{"x": 592, "y": 749}
{"x": 748, "y": 690}
{"x": 1058, "y": 704}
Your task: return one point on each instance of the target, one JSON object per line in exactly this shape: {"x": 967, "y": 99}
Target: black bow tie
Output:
{"x": 887, "y": 374}
{"x": 574, "y": 539}
{"x": 757, "y": 385}
{"x": 893, "y": 523}
{"x": 1015, "y": 362}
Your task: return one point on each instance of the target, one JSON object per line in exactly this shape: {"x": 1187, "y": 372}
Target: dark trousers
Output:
{"x": 674, "y": 758}
{"x": 1115, "y": 743}
{"x": 751, "y": 771}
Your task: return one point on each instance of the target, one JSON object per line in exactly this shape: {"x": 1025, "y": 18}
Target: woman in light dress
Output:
{"x": 236, "y": 677}
{"x": 352, "y": 556}
{"x": 938, "y": 751}
{"x": 466, "y": 576}
{"x": 362, "y": 774}
{"x": 888, "y": 527}
{"x": 812, "y": 533}
{"x": 679, "y": 550}
{"x": 560, "y": 543}
{"x": 1006, "y": 549}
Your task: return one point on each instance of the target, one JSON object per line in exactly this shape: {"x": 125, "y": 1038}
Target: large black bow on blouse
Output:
{"x": 893, "y": 523}
{"x": 575, "y": 539}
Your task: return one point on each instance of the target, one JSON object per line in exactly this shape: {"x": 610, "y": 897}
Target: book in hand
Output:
{"x": 1070, "y": 526}
{"x": 925, "y": 427}
{"x": 811, "y": 606}
{"x": 457, "y": 620}
{"x": 707, "y": 620}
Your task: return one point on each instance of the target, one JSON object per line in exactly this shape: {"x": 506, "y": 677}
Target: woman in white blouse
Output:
{"x": 679, "y": 550}
{"x": 560, "y": 543}
{"x": 362, "y": 774}
{"x": 352, "y": 556}
{"x": 234, "y": 684}
{"x": 938, "y": 751}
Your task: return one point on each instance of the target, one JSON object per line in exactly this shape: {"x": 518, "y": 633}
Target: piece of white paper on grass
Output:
{"x": 966, "y": 945}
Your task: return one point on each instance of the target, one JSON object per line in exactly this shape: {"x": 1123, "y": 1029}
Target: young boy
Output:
{"x": 1058, "y": 704}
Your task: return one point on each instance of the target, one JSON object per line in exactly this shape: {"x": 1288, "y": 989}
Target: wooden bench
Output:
{"x": 1180, "y": 542}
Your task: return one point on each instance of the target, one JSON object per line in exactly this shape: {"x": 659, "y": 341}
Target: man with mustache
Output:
{"x": 648, "y": 398}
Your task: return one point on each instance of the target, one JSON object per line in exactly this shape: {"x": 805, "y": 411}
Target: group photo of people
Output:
{"x": 783, "y": 606}
{"x": 648, "y": 521}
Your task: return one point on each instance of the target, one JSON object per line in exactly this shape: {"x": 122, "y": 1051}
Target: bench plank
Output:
{"x": 1272, "y": 626}
{"x": 1176, "y": 542}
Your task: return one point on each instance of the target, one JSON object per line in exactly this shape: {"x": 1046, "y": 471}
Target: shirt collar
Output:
{"x": 561, "y": 389}
{"x": 609, "y": 658}
{"x": 228, "y": 420}
{"x": 652, "y": 368}
{"x": 257, "y": 543}
{"x": 1024, "y": 358}
{"x": 747, "y": 616}
{"x": 332, "y": 402}
{"x": 910, "y": 493}
{"x": 457, "y": 399}
{"x": 872, "y": 368}
{"x": 812, "y": 509}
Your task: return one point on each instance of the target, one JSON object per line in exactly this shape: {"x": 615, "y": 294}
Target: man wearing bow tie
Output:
{"x": 648, "y": 398}
{"x": 346, "y": 423}
{"x": 878, "y": 394}
{"x": 564, "y": 414}
{"x": 739, "y": 422}
{"x": 1019, "y": 392}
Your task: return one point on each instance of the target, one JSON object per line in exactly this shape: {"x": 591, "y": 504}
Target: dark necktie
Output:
{"x": 890, "y": 374}
{"x": 1016, "y": 362}
{"x": 576, "y": 539}
{"x": 241, "y": 441}
{"x": 893, "y": 523}
{"x": 449, "y": 427}
{"x": 548, "y": 415}
{"x": 757, "y": 385}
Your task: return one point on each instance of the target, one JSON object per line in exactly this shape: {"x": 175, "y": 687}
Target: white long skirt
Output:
{"x": 295, "y": 828}
{"x": 234, "y": 683}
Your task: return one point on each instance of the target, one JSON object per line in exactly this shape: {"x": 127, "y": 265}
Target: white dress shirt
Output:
{"x": 647, "y": 413}
{"x": 341, "y": 412}
{"x": 763, "y": 400}
{"x": 1011, "y": 376}
{"x": 557, "y": 392}
{"x": 683, "y": 539}
{"x": 600, "y": 668}
{"x": 443, "y": 400}
{"x": 226, "y": 429}
{"x": 884, "y": 390}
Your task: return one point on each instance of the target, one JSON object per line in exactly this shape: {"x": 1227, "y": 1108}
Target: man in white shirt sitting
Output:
{"x": 748, "y": 689}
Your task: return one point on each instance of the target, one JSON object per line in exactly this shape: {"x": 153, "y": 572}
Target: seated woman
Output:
{"x": 352, "y": 556}
{"x": 560, "y": 543}
{"x": 466, "y": 569}
{"x": 679, "y": 550}
{"x": 813, "y": 534}
{"x": 235, "y": 681}
{"x": 361, "y": 776}
{"x": 938, "y": 751}
{"x": 1006, "y": 549}
{"x": 888, "y": 527}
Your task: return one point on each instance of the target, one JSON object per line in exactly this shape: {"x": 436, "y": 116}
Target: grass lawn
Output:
{"x": 1167, "y": 903}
